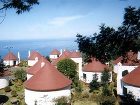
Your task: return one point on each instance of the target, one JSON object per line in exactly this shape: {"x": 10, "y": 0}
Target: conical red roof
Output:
{"x": 133, "y": 78}
{"x": 47, "y": 79}
{"x": 55, "y": 52}
{"x": 63, "y": 56}
{"x": 10, "y": 56}
{"x": 75, "y": 54}
{"x": 38, "y": 65}
{"x": 34, "y": 54}
{"x": 94, "y": 66}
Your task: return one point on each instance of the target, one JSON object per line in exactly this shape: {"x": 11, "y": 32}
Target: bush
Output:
{"x": 14, "y": 93}
{"x": 7, "y": 89}
{"x": 20, "y": 74}
{"x": 105, "y": 100}
{"x": 23, "y": 64}
{"x": 61, "y": 101}
{"x": 94, "y": 85}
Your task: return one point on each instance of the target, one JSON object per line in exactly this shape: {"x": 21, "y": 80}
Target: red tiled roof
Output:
{"x": 55, "y": 52}
{"x": 47, "y": 79}
{"x": 63, "y": 56}
{"x": 75, "y": 54}
{"x": 34, "y": 54}
{"x": 119, "y": 59}
{"x": 129, "y": 59}
{"x": 10, "y": 56}
{"x": 34, "y": 69}
{"x": 133, "y": 78}
{"x": 5, "y": 73}
{"x": 94, "y": 66}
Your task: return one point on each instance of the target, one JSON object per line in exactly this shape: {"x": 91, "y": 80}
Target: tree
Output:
{"x": 109, "y": 43}
{"x": 2, "y": 66}
{"x": 20, "y": 74}
{"x": 105, "y": 77}
{"x": 94, "y": 85}
{"x": 19, "y": 5}
{"x": 68, "y": 68}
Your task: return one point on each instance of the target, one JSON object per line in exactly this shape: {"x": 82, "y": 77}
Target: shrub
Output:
{"x": 106, "y": 100}
{"x": 61, "y": 101}
{"x": 7, "y": 89}
{"x": 94, "y": 85}
{"x": 14, "y": 93}
{"x": 23, "y": 64}
{"x": 20, "y": 74}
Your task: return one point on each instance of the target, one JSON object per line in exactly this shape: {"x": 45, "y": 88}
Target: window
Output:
{"x": 125, "y": 72}
{"x": 84, "y": 76}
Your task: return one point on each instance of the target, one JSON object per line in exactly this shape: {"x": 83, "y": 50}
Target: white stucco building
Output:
{"x": 36, "y": 67}
{"x": 4, "y": 79}
{"x": 75, "y": 56}
{"x": 131, "y": 83}
{"x": 10, "y": 59}
{"x": 92, "y": 68}
{"x": 46, "y": 85}
{"x": 33, "y": 57}
{"x": 120, "y": 69}
{"x": 54, "y": 54}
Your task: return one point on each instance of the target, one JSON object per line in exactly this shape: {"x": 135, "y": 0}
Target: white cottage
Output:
{"x": 54, "y": 54}
{"x": 33, "y": 57}
{"x": 4, "y": 79}
{"x": 131, "y": 83}
{"x": 92, "y": 68}
{"x": 10, "y": 59}
{"x": 36, "y": 67}
{"x": 75, "y": 56}
{"x": 46, "y": 85}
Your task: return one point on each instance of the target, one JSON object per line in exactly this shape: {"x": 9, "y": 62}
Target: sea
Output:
{"x": 43, "y": 46}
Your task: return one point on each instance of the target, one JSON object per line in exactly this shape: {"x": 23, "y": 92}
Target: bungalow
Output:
{"x": 33, "y": 57}
{"x": 4, "y": 79}
{"x": 10, "y": 59}
{"x": 36, "y": 67}
{"x": 92, "y": 68}
{"x": 46, "y": 85}
{"x": 75, "y": 56}
{"x": 124, "y": 66}
{"x": 54, "y": 54}
{"x": 131, "y": 83}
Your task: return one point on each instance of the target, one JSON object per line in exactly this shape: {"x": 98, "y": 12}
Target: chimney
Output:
{"x": 42, "y": 64}
{"x": 29, "y": 53}
{"x": 61, "y": 51}
{"x": 138, "y": 57}
{"x": 18, "y": 57}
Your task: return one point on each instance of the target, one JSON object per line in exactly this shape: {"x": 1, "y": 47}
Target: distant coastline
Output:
{"x": 44, "y": 46}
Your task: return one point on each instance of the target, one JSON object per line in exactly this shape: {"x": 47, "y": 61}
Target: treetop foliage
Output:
{"x": 19, "y": 5}
{"x": 109, "y": 43}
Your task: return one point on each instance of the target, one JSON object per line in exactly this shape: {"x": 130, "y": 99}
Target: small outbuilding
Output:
{"x": 10, "y": 59}
{"x": 33, "y": 57}
{"x": 92, "y": 68}
{"x": 46, "y": 85}
{"x": 4, "y": 79}
{"x": 131, "y": 83}
{"x": 36, "y": 67}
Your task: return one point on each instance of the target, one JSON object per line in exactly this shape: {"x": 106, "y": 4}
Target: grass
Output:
{"x": 84, "y": 103}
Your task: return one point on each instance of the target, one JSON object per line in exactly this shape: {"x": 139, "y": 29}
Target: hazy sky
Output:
{"x": 56, "y": 19}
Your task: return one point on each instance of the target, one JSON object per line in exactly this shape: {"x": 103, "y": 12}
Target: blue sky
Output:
{"x": 56, "y": 19}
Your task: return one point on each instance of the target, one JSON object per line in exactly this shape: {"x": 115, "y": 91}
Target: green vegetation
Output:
{"x": 19, "y": 5}
{"x": 2, "y": 66}
{"x": 105, "y": 78}
{"x": 23, "y": 64}
{"x": 20, "y": 74}
{"x": 7, "y": 89}
{"x": 62, "y": 101}
{"x": 110, "y": 43}
{"x": 68, "y": 68}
